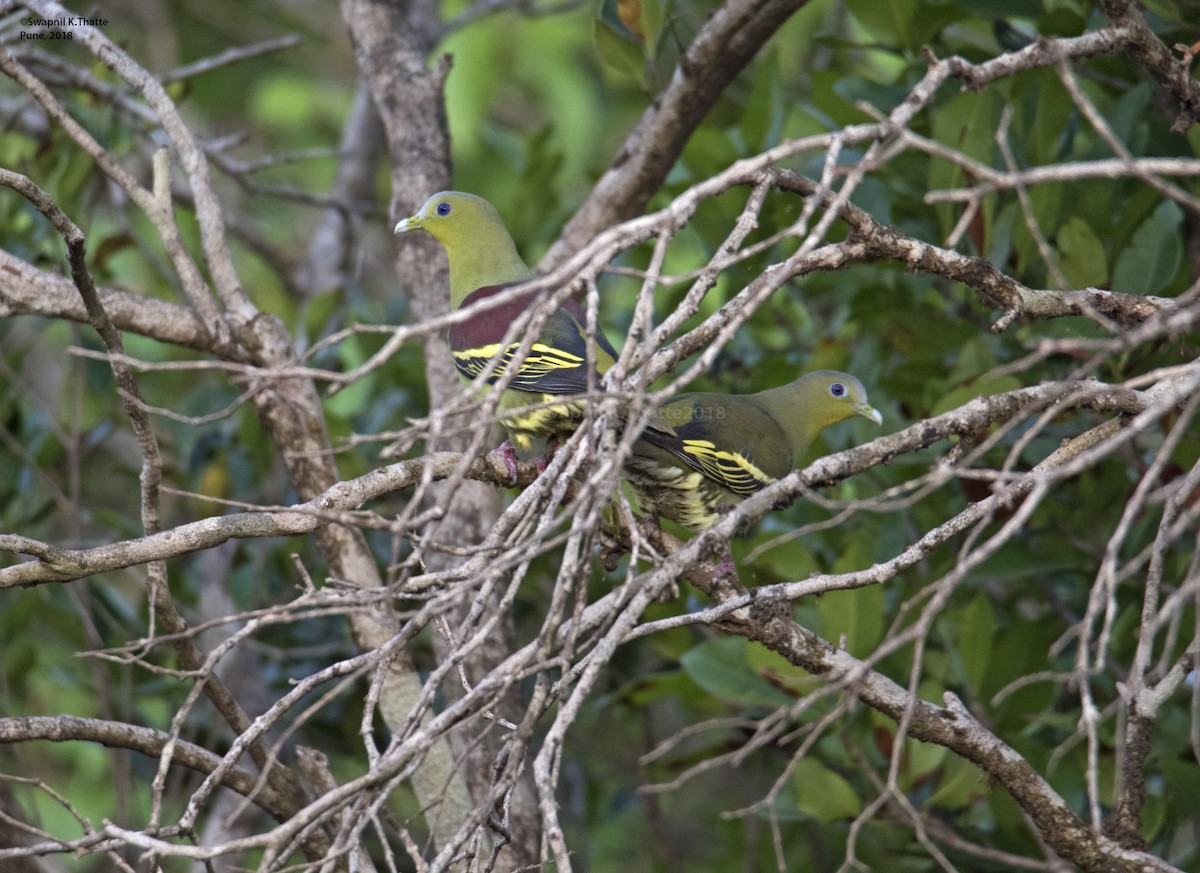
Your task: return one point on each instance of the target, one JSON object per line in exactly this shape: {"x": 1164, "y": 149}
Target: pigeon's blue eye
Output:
{"x": 837, "y": 389}
{"x": 443, "y": 209}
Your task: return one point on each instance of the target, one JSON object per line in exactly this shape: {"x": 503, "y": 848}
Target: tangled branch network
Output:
{"x": 1026, "y": 447}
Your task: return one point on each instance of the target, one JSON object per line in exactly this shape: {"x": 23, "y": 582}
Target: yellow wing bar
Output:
{"x": 736, "y": 472}
{"x": 540, "y": 362}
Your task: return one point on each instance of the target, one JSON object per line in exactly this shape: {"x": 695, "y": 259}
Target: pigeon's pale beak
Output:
{"x": 865, "y": 410}
{"x": 404, "y": 225}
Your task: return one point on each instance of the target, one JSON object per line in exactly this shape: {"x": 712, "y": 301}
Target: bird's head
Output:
{"x": 480, "y": 250}
{"x": 453, "y": 218}
{"x": 835, "y": 396}
{"x": 816, "y": 400}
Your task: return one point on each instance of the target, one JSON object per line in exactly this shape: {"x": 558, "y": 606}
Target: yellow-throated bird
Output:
{"x": 705, "y": 451}
{"x": 484, "y": 261}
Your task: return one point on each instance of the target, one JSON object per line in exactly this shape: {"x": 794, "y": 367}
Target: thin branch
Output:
{"x": 230, "y": 56}
{"x": 147, "y": 741}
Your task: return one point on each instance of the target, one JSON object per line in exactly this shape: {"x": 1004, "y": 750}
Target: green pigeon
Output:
{"x": 704, "y": 452}
{"x": 483, "y": 262}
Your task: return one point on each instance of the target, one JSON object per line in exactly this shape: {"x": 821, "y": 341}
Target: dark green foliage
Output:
{"x": 533, "y": 140}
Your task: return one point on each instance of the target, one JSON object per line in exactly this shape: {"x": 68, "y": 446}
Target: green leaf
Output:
{"x": 1168, "y": 10}
{"x": 721, "y": 668}
{"x": 1154, "y": 254}
{"x": 905, "y": 24}
{"x": 355, "y": 397}
{"x": 781, "y": 672}
{"x": 965, "y": 121}
{"x": 995, "y": 8}
{"x": 975, "y": 639}
{"x": 922, "y": 759}
{"x": 620, "y": 50}
{"x": 1128, "y": 113}
{"x": 1019, "y": 651}
{"x": 646, "y": 690}
{"x": 822, "y": 793}
{"x": 1047, "y": 202}
{"x": 1082, "y": 254}
{"x": 763, "y": 117}
{"x": 975, "y": 388}
{"x": 856, "y": 614}
{"x": 319, "y": 311}
{"x": 653, "y": 14}
{"x": 1051, "y": 122}
{"x": 792, "y": 559}
{"x": 960, "y": 784}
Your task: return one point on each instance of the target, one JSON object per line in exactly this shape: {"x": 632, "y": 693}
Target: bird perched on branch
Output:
{"x": 705, "y": 451}
{"x": 484, "y": 261}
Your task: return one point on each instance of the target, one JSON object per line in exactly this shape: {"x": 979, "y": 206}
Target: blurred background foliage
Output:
{"x": 538, "y": 106}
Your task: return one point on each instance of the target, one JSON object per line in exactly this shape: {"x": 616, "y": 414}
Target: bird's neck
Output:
{"x": 787, "y": 404}
{"x": 478, "y": 262}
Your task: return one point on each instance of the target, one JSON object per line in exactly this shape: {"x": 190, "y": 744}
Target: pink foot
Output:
{"x": 508, "y": 454}
{"x": 651, "y": 525}
{"x": 544, "y": 461}
{"x": 725, "y": 567}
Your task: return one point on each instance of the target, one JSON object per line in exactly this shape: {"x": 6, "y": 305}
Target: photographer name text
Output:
{"x": 66, "y": 21}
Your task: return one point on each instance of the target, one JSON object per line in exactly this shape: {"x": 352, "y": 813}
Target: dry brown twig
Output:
{"x": 576, "y": 639}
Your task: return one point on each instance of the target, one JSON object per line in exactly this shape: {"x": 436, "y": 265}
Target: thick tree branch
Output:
{"x": 874, "y": 241}
{"x": 288, "y": 408}
{"x": 281, "y": 778}
{"x": 757, "y": 616}
{"x": 331, "y": 251}
{"x": 462, "y": 570}
{"x": 336, "y": 504}
{"x": 1149, "y": 51}
{"x": 26, "y": 290}
{"x": 955, "y": 728}
{"x": 63, "y": 565}
{"x": 392, "y": 43}
{"x": 729, "y": 40}
{"x": 149, "y": 742}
